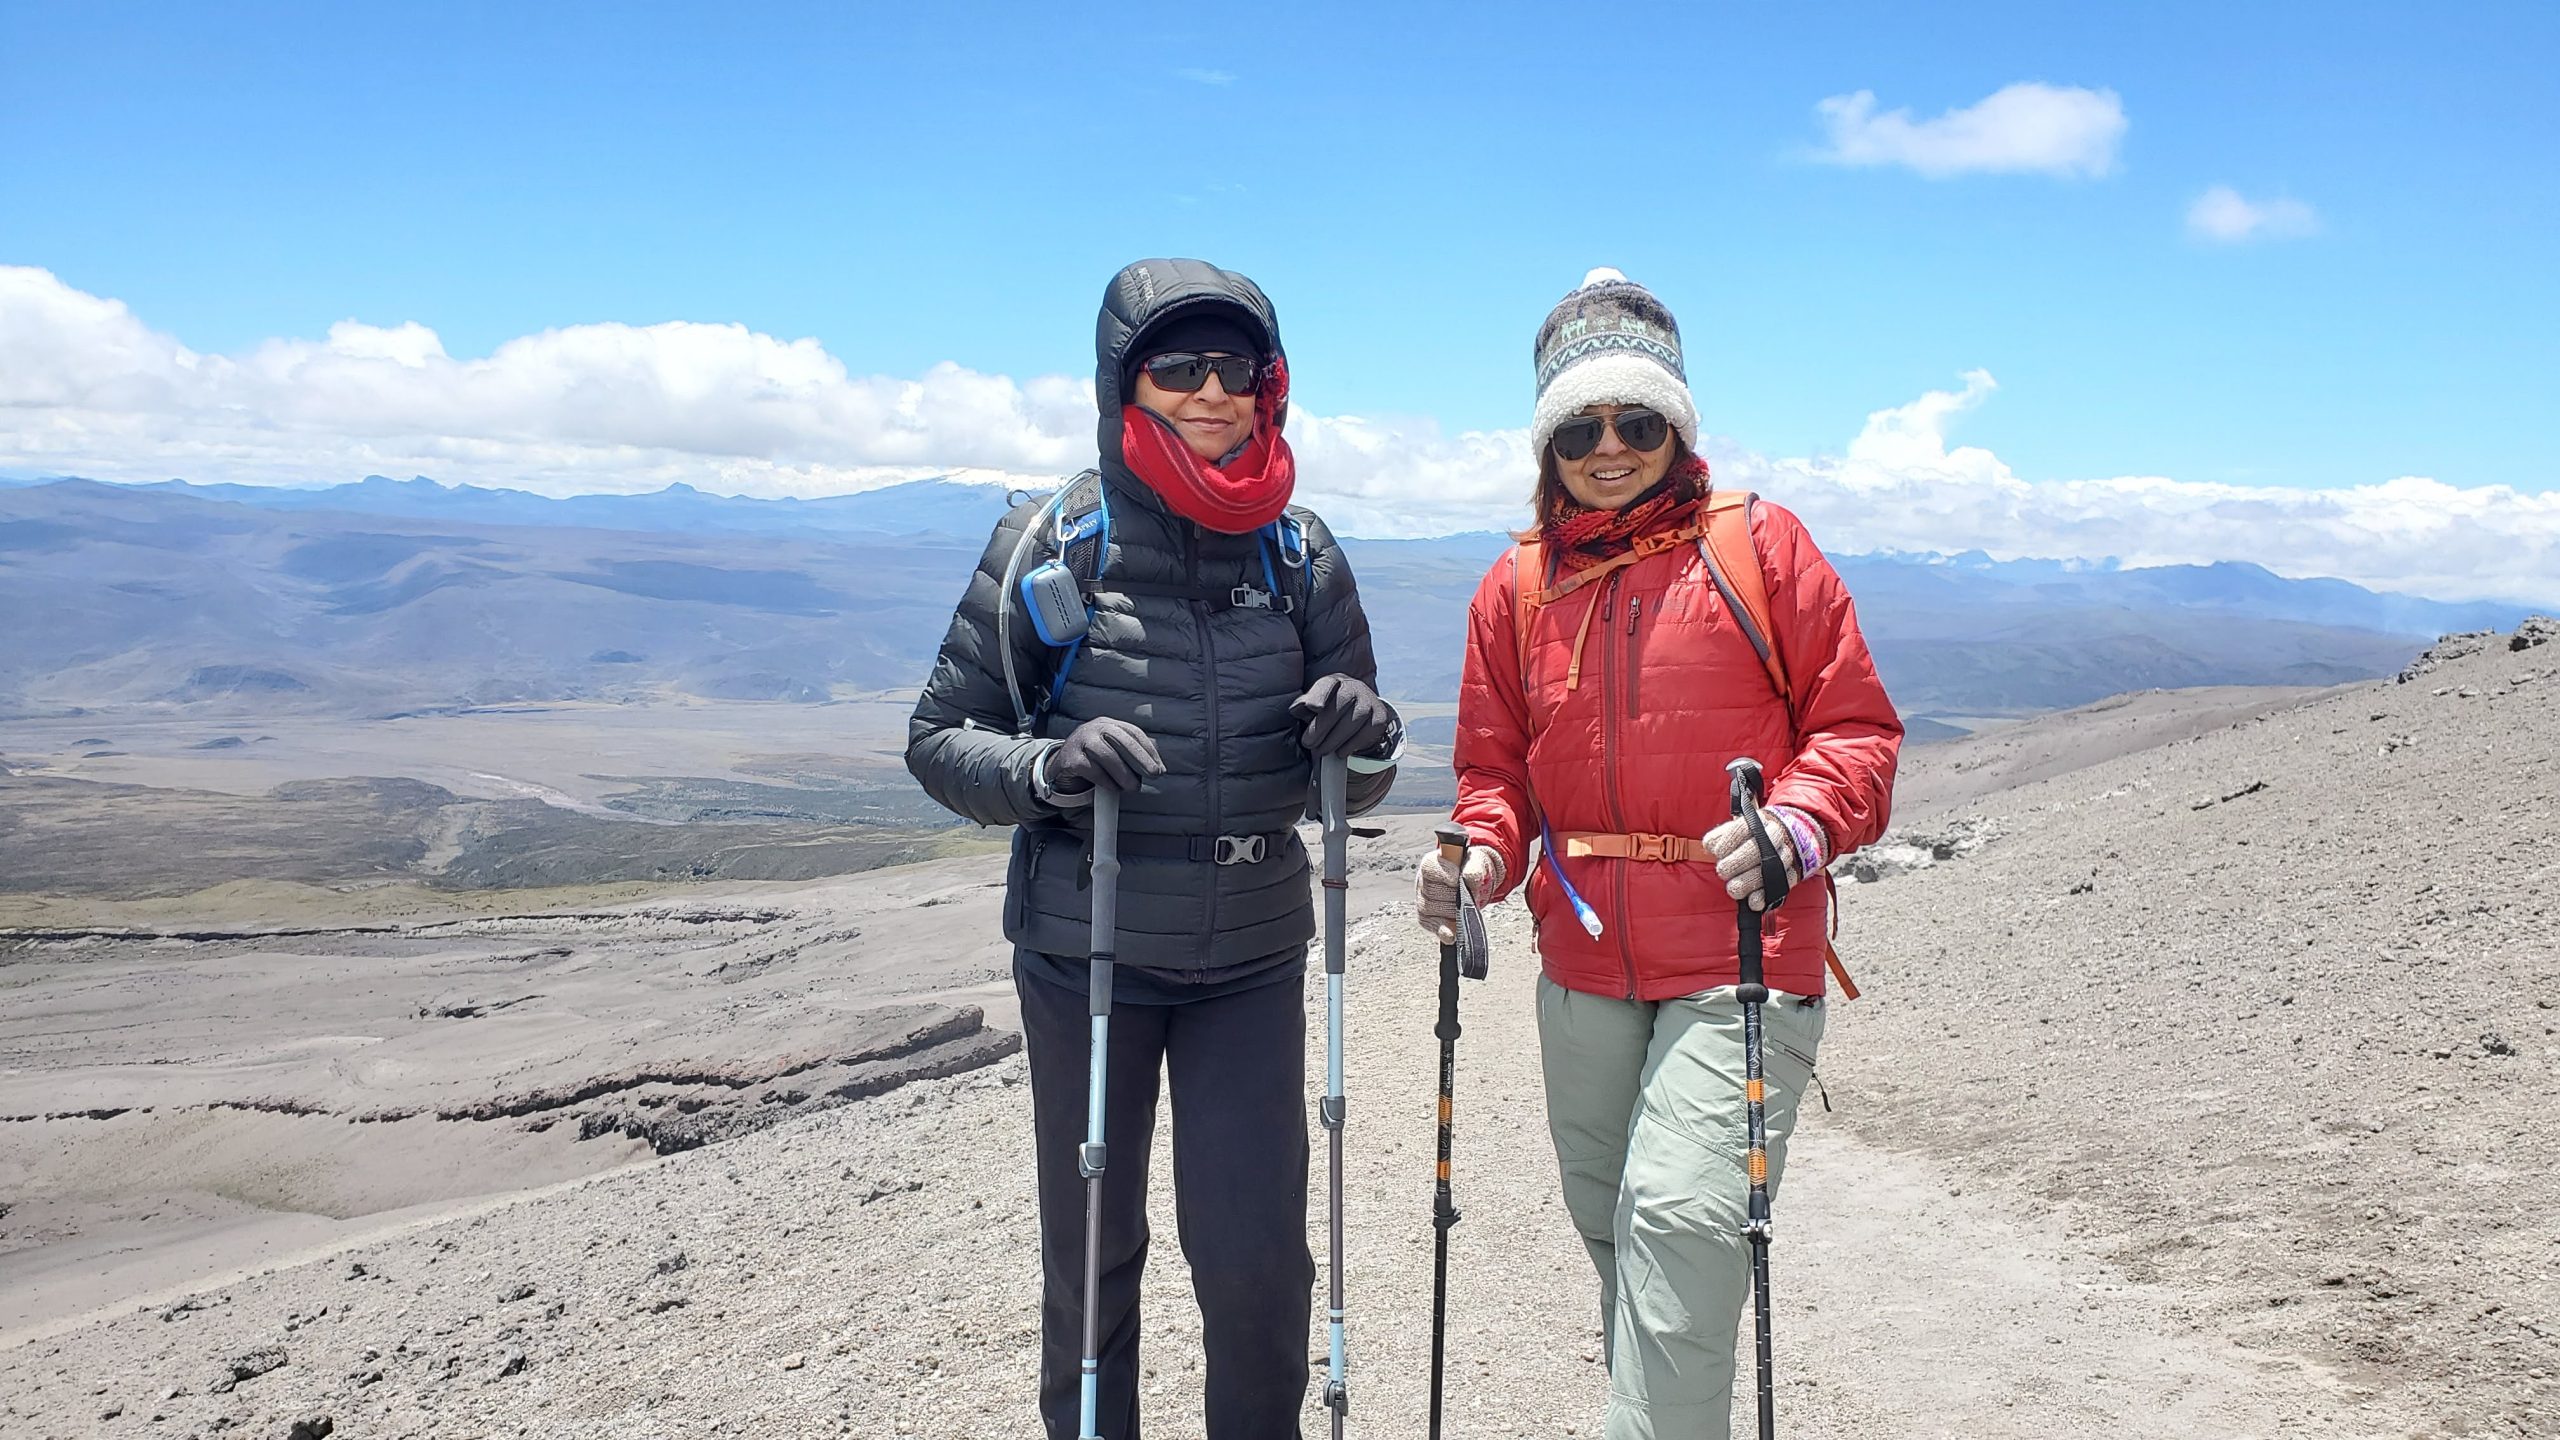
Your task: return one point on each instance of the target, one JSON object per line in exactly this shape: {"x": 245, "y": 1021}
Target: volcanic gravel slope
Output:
{"x": 2271, "y": 1016}
{"x": 2203, "y": 1091}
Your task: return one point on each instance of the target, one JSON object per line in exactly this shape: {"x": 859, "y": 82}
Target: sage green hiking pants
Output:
{"x": 1644, "y": 1100}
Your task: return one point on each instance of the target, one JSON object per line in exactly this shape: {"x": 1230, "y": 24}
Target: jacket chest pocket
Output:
{"x": 1687, "y": 600}
{"x": 1650, "y": 629}
{"x": 1688, "y": 628}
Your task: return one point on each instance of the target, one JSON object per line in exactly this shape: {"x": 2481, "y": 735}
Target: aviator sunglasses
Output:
{"x": 1183, "y": 372}
{"x": 1642, "y": 430}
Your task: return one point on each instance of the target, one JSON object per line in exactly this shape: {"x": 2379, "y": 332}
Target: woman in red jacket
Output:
{"x": 1599, "y": 723}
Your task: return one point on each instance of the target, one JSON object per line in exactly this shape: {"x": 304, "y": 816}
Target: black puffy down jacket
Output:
{"x": 1211, "y": 685}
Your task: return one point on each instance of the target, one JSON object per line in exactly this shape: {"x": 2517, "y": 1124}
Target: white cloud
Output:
{"x": 87, "y": 388}
{"x": 2027, "y": 128}
{"x": 1900, "y": 486}
{"x": 1207, "y": 77}
{"x": 2224, "y": 215}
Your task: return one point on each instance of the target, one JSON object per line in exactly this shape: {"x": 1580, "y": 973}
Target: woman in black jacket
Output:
{"x": 1225, "y": 652}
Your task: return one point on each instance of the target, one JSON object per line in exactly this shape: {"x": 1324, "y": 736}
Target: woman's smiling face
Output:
{"x": 1612, "y": 474}
{"x": 1209, "y": 420}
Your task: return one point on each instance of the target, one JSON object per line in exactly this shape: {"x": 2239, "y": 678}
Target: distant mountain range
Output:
{"x": 922, "y": 507}
{"x": 389, "y": 594}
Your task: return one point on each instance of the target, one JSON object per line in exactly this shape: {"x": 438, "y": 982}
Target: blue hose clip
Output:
{"x": 1582, "y": 910}
{"x": 1095, "y": 525}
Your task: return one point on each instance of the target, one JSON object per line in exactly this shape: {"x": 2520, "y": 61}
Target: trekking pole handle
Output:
{"x": 1103, "y": 950}
{"x": 1746, "y": 808}
{"x": 1746, "y": 785}
{"x": 1453, "y": 848}
{"x": 1745, "y": 793}
{"x": 1106, "y": 879}
{"x": 1472, "y": 949}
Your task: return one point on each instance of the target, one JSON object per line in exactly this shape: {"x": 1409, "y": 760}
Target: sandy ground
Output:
{"x": 176, "y": 1102}
{"x": 2020, "y": 752}
{"x": 868, "y": 1269}
{"x": 2202, "y": 1089}
{"x": 2271, "y": 1015}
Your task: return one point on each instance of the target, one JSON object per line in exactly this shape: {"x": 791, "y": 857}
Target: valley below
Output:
{"x": 211, "y": 815}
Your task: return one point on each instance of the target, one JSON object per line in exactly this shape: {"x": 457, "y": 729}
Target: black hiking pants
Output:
{"x": 1237, "y": 1071}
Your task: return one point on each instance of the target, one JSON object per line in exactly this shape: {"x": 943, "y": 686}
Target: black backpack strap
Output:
{"x": 1291, "y": 570}
{"x": 1084, "y": 524}
{"x": 1081, "y": 528}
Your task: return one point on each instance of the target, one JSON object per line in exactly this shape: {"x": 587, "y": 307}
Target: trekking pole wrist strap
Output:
{"x": 1372, "y": 764}
{"x": 1807, "y": 836}
{"x": 1045, "y": 793}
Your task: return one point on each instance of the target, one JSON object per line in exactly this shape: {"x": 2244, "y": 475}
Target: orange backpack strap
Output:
{"x": 1733, "y": 563}
{"x": 1830, "y": 956}
{"x": 1528, "y": 591}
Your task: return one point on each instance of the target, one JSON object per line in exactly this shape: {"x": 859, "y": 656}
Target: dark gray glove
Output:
{"x": 1113, "y": 754}
{"x": 1344, "y": 717}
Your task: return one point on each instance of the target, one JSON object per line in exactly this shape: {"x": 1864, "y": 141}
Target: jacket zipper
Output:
{"x": 1609, "y": 790}
{"x": 1209, "y": 656}
{"x": 1635, "y": 664}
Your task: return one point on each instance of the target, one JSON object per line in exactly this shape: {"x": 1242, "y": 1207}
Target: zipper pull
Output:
{"x": 1635, "y": 607}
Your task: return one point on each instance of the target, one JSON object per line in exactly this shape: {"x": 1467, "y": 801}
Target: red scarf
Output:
{"x": 1586, "y": 537}
{"x": 1237, "y": 498}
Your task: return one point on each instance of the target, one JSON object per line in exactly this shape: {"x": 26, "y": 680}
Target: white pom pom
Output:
{"x": 1604, "y": 273}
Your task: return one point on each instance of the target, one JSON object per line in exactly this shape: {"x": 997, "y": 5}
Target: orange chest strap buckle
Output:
{"x": 1658, "y": 849}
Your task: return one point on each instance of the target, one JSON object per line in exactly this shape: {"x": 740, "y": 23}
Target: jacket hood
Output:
{"x": 1143, "y": 296}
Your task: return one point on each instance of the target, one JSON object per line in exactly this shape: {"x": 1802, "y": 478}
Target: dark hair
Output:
{"x": 1549, "y": 496}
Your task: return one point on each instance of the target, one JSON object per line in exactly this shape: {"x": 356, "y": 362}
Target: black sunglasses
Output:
{"x": 1177, "y": 370}
{"x": 1643, "y": 430}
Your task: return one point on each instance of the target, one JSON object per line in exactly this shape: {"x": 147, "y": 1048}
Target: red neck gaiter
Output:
{"x": 1237, "y": 498}
{"x": 1590, "y": 537}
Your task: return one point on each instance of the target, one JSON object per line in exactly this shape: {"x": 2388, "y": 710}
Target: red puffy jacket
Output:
{"x": 1670, "y": 690}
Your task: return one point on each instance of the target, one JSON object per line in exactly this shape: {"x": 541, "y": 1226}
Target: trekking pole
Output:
{"x": 1753, "y": 991}
{"x": 1468, "y": 952}
{"x": 1106, "y": 937}
{"x": 1331, "y": 783}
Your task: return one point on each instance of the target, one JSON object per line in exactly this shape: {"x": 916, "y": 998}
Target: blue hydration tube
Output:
{"x": 1582, "y": 910}
{"x": 1101, "y": 558}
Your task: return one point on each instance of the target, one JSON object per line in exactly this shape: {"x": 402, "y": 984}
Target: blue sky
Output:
{"x": 911, "y": 185}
